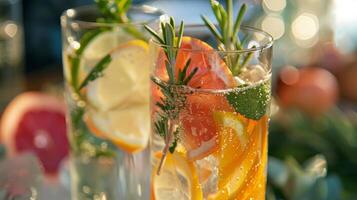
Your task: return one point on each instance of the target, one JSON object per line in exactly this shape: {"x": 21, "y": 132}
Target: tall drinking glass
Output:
{"x": 216, "y": 125}
{"x": 107, "y": 82}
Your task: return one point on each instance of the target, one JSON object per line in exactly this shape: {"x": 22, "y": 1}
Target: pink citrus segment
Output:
{"x": 35, "y": 122}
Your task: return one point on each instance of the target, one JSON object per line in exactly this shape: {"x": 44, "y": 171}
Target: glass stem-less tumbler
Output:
{"x": 106, "y": 88}
{"x": 209, "y": 112}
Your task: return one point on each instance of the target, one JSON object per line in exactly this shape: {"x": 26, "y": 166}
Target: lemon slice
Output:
{"x": 128, "y": 128}
{"x": 103, "y": 43}
{"x": 178, "y": 178}
{"x": 121, "y": 98}
{"x": 125, "y": 80}
{"x": 98, "y": 47}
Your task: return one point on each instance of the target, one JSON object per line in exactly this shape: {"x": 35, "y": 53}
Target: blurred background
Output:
{"x": 313, "y": 133}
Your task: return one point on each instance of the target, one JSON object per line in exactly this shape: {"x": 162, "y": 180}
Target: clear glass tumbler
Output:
{"x": 107, "y": 82}
{"x": 212, "y": 131}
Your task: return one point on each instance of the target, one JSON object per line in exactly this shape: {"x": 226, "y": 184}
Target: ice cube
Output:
{"x": 208, "y": 174}
{"x": 20, "y": 177}
{"x": 253, "y": 74}
{"x": 239, "y": 81}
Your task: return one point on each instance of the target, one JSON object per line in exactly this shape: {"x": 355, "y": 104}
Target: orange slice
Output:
{"x": 240, "y": 155}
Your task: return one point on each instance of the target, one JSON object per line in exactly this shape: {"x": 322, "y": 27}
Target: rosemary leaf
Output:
{"x": 247, "y": 59}
{"x": 170, "y": 72}
{"x": 239, "y": 19}
{"x": 172, "y": 22}
{"x": 212, "y": 28}
{"x": 214, "y": 5}
{"x": 74, "y": 71}
{"x": 229, "y": 17}
{"x": 163, "y": 28}
{"x": 154, "y": 34}
{"x": 97, "y": 71}
{"x": 224, "y": 17}
{"x": 184, "y": 71}
{"x": 180, "y": 35}
{"x": 188, "y": 79}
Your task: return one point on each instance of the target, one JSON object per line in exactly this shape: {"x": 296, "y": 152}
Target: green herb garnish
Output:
{"x": 252, "y": 102}
{"x": 170, "y": 106}
{"x": 115, "y": 11}
{"x": 226, "y": 34}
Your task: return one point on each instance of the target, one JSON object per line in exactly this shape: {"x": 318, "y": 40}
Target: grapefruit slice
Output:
{"x": 35, "y": 122}
{"x": 178, "y": 179}
{"x": 121, "y": 98}
{"x": 200, "y": 131}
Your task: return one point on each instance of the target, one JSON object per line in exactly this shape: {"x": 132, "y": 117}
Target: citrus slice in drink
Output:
{"x": 200, "y": 132}
{"x": 128, "y": 128}
{"x": 178, "y": 178}
{"x": 100, "y": 43}
{"x": 241, "y": 154}
{"x": 120, "y": 98}
{"x": 125, "y": 80}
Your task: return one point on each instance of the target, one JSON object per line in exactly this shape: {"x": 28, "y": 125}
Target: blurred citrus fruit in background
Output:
{"x": 35, "y": 122}
{"x": 313, "y": 90}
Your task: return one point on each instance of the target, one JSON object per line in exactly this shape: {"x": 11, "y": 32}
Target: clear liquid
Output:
{"x": 99, "y": 168}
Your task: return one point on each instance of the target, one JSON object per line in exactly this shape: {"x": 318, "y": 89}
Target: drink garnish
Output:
{"x": 252, "y": 102}
{"x": 226, "y": 33}
{"x": 166, "y": 123}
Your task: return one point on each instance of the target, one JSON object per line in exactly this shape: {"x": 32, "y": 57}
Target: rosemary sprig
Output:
{"x": 170, "y": 106}
{"x": 115, "y": 11}
{"x": 226, "y": 33}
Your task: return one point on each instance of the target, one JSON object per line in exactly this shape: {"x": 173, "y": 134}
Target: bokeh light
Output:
{"x": 10, "y": 29}
{"x": 274, "y": 5}
{"x": 274, "y": 24}
{"x": 305, "y": 26}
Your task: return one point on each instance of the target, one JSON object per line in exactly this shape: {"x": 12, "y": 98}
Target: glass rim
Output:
{"x": 70, "y": 15}
{"x": 266, "y": 45}
{"x": 192, "y": 90}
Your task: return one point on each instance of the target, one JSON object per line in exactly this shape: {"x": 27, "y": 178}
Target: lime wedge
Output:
{"x": 251, "y": 102}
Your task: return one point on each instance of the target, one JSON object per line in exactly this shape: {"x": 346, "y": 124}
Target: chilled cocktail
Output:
{"x": 210, "y": 93}
{"x": 105, "y": 56}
